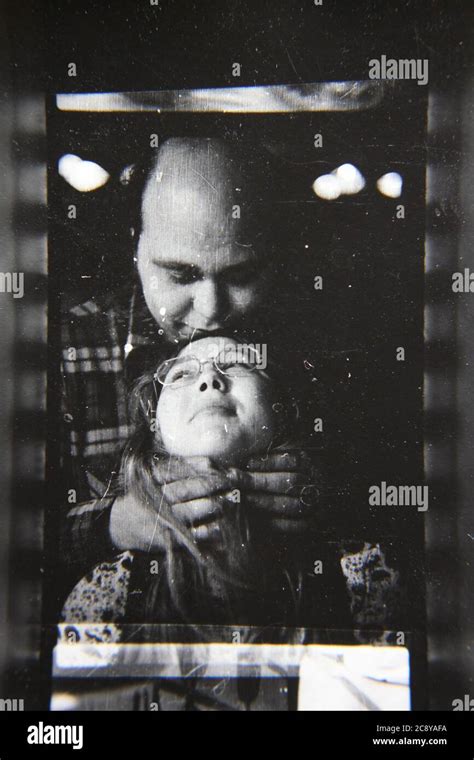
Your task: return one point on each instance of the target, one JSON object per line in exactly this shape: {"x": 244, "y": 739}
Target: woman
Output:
{"x": 220, "y": 399}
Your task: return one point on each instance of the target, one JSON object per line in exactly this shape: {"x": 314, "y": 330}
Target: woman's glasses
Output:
{"x": 181, "y": 371}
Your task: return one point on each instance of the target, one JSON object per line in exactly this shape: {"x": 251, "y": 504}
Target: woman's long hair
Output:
{"x": 193, "y": 587}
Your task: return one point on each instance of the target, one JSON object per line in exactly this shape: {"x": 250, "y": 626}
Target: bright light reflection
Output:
{"x": 82, "y": 175}
{"x": 390, "y": 185}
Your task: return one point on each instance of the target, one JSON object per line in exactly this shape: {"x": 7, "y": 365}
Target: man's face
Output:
{"x": 199, "y": 271}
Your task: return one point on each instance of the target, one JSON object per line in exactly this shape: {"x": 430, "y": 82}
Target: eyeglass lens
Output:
{"x": 180, "y": 371}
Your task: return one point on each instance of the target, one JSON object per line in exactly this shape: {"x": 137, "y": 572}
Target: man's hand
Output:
{"x": 192, "y": 491}
{"x": 285, "y": 488}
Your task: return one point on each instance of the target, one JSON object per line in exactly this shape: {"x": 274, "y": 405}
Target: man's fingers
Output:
{"x": 274, "y": 482}
{"x": 197, "y": 512}
{"x": 273, "y": 462}
{"x": 282, "y": 461}
{"x": 170, "y": 469}
{"x": 196, "y": 488}
{"x": 277, "y": 506}
{"x": 207, "y": 534}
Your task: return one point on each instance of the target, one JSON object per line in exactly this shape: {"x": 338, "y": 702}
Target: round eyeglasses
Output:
{"x": 181, "y": 371}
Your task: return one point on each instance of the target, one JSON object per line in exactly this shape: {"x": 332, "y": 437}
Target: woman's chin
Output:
{"x": 221, "y": 450}
{"x": 229, "y": 447}
{"x": 218, "y": 454}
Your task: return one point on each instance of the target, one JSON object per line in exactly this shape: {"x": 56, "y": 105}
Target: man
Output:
{"x": 204, "y": 263}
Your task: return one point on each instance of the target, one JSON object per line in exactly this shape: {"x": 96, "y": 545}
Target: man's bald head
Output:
{"x": 200, "y": 253}
{"x": 199, "y": 182}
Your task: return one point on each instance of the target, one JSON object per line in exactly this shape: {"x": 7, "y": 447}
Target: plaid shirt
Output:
{"x": 100, "y": 357}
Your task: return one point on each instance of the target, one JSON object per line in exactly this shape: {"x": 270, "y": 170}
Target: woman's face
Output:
{"x": 214, "y": 414}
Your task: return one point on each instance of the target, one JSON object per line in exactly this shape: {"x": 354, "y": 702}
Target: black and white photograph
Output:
{"x": 237, "y": 363}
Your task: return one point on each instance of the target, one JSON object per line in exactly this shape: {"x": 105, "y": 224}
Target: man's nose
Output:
{"x": 209, "y": 300}
{"x": 212, "y": 379}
